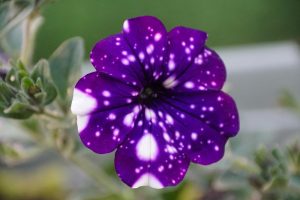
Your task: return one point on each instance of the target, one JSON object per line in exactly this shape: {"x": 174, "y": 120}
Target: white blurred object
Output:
{"x": 257, "y": 74}
{"x": 261, "y": 57}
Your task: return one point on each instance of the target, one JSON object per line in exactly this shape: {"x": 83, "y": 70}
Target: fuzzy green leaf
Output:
{"x": 65, "y": 65}
{"x": 17, "y": 110}
{"x": 41, "y": 76}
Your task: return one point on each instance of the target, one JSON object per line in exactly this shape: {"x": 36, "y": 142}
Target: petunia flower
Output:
{"x": 156, "y": 98}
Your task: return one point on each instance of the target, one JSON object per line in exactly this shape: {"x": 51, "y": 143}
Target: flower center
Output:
{"x": 149, "y": 93}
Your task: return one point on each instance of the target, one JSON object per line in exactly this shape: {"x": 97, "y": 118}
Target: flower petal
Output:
{"x": 202, "y": 123}
{"x": 98, "y": 92}
{"x": 147, "y": 159}
{"x": 147, "y": 36}
{"x": 103, "y": 131}
{"x": 183, "y": 46}
{"x": 113, "y": 56}
{"x": 206, "y": 72}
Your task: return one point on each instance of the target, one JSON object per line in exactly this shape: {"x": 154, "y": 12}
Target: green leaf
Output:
{"x": 6, "y": 93}
{"x": 41, "y": 76}
{"x": 50, "y": 91}
{"x": 65, "y": 65}
{"x": 28, "y": 86}
{"x": 11, "y": 77}
{"x": 18, "y": 110}
{"x": 41, "y": 70}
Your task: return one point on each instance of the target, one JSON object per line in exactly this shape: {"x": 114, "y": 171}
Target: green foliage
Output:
{"x": 65, "y": 65}
{"x": 12, "y": 13}
{"x": 24, "y": 93}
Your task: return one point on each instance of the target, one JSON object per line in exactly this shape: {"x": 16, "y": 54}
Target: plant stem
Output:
{"x": 51, "y": 114}
{"x": 31, "y": 26}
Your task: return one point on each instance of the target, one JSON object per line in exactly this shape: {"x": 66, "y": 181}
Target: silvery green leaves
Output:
{"x": 12, "y": 15}
{"x": 65, "y": 65}
{"x": 24, "y": 93}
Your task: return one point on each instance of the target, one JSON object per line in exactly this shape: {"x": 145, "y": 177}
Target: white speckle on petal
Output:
{"x": 106, "y": 103}
{"x": 131, "y": 58}
{"x": 161, "y": 168}
{"x": 116, "y": 132}
{"x": 187, "y": 50}
{"x": 171, "y": 149}
{"x": 189, "y": 85}
{"x": 112, "y": 116}
{"x": 170, "y": 82}
{"x": 169, "y": 119}
{"x": 194, "y": 136}
{"x": 167, "y": 137}
{"x": 141, "y": 56}
{"x": 97, "y": 134}
{"x": 125, "y": 61}
{"x": 150, "y": 115}
{"x": 150, "y": 49}
{"x": 171, "y": 65}
{"x": 128, "y": 119}
{"x": 157, "y": 37}
{"x": 106, "y": 93}
{"x": 88, "y": 90}
{"x": 217, "y": 148}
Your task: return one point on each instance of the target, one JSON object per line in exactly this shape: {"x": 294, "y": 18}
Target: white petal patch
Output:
{"x": 82, "y": 122}
{"x": 82, "y": 103}
{"x": 146, "y": 148}
{"x": 148, "y": 179}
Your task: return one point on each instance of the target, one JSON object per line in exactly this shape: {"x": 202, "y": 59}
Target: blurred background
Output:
{"x": 259, "y": 43}
{"x": 231, "y": 22}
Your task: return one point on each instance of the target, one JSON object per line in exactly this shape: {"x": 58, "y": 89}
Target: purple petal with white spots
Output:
{"x": 99, "y": 92}
{"x": 206, "y": 72}
{"x": 202, "y": 123}
{"x": 147, "y": 36}
{"x": 147, "y": 159}
{"x": 114, "y": 56}
{"x": 215, "y": 108}
{"x": 183, "y": 46}
{"x": 103, "y": 131}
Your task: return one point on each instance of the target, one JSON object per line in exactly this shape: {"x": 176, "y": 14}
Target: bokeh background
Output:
{"x": 259, "y": 43}
{"x": 230, "y": 22}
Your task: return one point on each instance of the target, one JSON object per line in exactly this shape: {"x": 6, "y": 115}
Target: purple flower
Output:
{"x": 155, "y": 97}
